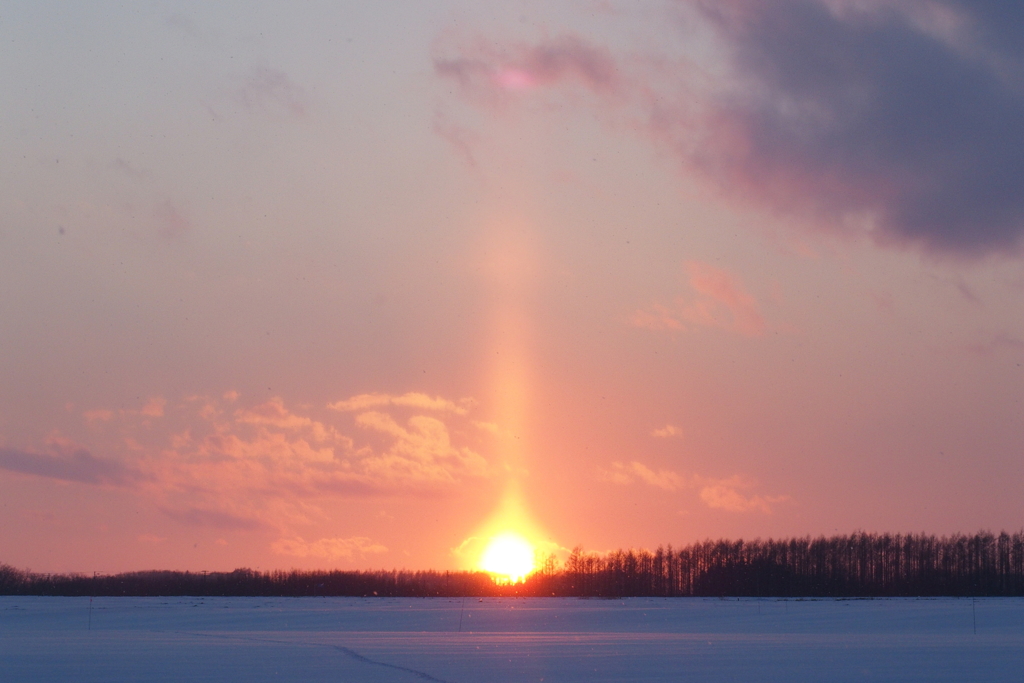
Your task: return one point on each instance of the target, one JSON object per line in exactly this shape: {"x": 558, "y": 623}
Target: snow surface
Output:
{"x": 557, "y": 640}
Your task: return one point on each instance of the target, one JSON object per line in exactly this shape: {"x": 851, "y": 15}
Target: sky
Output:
{"x": 361, "y": 285}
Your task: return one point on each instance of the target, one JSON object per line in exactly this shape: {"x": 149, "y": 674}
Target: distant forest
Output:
{"x": 857, "y": 565}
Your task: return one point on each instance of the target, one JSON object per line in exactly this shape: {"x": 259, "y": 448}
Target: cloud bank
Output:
{"x": 205, "y": 462}
{"x": 909, "y": 114}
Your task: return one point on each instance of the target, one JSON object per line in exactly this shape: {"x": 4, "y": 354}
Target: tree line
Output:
{"x": 854, "y": 565}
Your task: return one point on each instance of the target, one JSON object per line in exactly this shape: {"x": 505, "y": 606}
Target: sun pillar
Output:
{"x": 507, "y": 542}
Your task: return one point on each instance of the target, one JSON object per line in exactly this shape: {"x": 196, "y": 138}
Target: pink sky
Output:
{"x": 358, "y": 287}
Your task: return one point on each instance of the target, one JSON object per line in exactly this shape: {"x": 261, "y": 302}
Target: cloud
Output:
{"x": 657, "y": 318}
{"x": 725, "y": 497}
{"x": 485, "y": 69}
{"x": 273, "y": 413}
{"x": 78, "y": 465}
{"x": 197, "y": 517}
{"x": 1002, "y": 341}
{"x": 461, "y": 138}
{"x": 183, "y": 25}
{"x": 866, "y": 109}
{"x": 327, "y": 548}
{"x": 154, "y": 407}
{"x": 667, "y": 432}
{"x": 725, "y": 292}
{"x": 902, "y": 119}
{"x": 662, "y": 479}
{"x": 267, "y": 89}
{"x": 101, "y": 415}
{"x": 721, "y": 494}
{"x": 722, "y": 301}
{"x": 172, "y": 222}
{"x": 408, "y": 400}
{"x": 212, "y": 462}
{"x": 967, "y": 293}
{"x": 423, "y": 452}
{"x": 131, "y": 170}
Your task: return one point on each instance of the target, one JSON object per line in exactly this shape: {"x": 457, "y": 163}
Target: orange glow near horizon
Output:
{"x": 509, "y": 557}
{"x": 509, "y": 545}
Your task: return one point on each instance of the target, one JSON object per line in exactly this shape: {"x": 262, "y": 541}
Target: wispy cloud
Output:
{"x": 729, "y": 494}
{"x": 328, "y": 548}
{"x": 131, "y": 170}
{"x": 266, "y": 89}
{"x": 483, "y": 68}
{"x": 199, "y": 517}
{"x": 172, "y": 221}
{"x": 408, "y": 400}
{"x": 100, "y": 415}
{"x": 461, "y": 138}
{"x": 1002, "y": 342}
{"x": 721, "y": 301}
{"x": 154, "y": 407}
{"x": 667, "y": 432}
{"x": 627, "y": 473}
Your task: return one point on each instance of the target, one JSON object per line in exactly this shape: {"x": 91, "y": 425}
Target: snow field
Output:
{"x": 504, "y": 640}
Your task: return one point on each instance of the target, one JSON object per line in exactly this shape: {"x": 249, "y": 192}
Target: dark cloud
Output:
{"x": 906, "y": 118}
{"x": 80, "y": 465}
{"x": 996, "y": 23}
{"x": 872, "y": 110}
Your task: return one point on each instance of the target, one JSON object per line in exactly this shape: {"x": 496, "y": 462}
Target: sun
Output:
{"x": 508, "y": 556}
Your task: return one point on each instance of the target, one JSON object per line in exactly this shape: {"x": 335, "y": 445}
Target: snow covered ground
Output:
{"x": 346, "y": 640}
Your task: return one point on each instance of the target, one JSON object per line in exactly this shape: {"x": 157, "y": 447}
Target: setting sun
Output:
{"x": 508, "y": 556}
